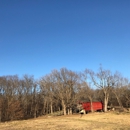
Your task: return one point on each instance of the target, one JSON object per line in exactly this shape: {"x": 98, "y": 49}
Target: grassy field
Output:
{"x": 92, "y": 121}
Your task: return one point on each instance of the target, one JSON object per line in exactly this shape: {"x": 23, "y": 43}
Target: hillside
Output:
{"x": 95, "y": 121}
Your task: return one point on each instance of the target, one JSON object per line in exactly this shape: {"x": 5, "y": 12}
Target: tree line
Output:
{"x": 61, "y": 90}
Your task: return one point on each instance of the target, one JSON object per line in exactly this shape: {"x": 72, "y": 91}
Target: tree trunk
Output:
{"x": 91, "y": 103}
{"x": 105, "y": 102}
{"x": 35, "y": 115}
{"x": 0, "y": 116}
{"x": 1, "y": 111}
{"x": 68, "y": 111}
{"x": 71, "y": 111}
{"x": 119, "y": 102}
{"x": 51, "y": 108}
{"x": 44, "y": 107}
{"x": 64, "y": 107}
{"x": 35, "y": 111}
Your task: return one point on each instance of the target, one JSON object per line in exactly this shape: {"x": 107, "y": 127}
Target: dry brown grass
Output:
{"x": 95, "y": 121}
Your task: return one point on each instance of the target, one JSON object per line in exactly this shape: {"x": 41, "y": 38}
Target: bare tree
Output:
{"x": 102, "y": 80}
{"x": 65, "y": 81}
{"x": 89, "y": 93}
{"x": 86, "y": 92}
{"x": 47, "y": 85}
{"x": 127, "y": 93}
{"x": 120, "y": 89}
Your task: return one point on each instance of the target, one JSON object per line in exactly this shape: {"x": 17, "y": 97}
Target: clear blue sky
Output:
{"x": 37, "y": 36}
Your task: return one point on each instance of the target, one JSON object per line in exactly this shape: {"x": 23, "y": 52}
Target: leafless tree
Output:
{"x": 102, "y": 80}
{"x": 47, "y": 85}
{"x": 86, "y": 90}
{"x": 121, "y": 88}
{"x": 127, "y": 94}
{"x": 65, "y": 81}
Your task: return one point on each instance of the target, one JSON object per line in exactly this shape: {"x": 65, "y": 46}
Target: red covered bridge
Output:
{"x": 96, "y": 106}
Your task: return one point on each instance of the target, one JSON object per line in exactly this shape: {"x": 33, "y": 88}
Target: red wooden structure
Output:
{"x": 97, "y": 106}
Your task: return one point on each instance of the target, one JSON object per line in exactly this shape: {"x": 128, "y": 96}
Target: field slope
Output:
{"x": 95, "y": 121}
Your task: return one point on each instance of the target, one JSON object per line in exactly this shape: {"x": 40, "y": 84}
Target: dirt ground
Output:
{"x": 91, "y": 121}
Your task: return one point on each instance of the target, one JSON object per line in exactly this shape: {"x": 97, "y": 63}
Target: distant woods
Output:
{"x": 61, "y": 90}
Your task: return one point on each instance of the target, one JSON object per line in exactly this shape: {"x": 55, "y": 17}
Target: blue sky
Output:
{"x": 37, "y": 36}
